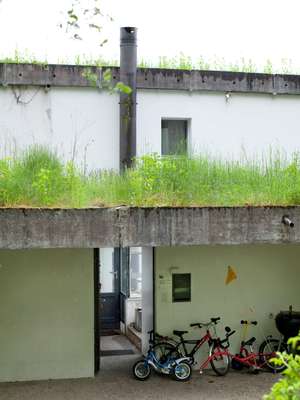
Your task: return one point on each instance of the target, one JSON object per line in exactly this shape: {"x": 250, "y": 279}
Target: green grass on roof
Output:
{"x": 181, "y": 61}
{"x": 39, "y": 178}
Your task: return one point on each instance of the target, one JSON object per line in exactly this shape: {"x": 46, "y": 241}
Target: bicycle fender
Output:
{"x": 179, "y": 360}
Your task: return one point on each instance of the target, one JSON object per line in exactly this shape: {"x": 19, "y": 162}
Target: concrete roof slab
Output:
{"x": 130, "y": 226}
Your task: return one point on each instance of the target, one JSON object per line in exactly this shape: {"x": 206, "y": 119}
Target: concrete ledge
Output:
{"x": 218, "y": 81}
{"x": 151, "y": 78}
{"x": 51, "y": 75}
{"x": 126, "y": 226}
{"x": 58, "y": 228}
{"x": 208, "y": 225}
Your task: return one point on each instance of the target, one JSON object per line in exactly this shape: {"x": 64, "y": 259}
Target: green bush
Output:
{"x": 288, "y": 387}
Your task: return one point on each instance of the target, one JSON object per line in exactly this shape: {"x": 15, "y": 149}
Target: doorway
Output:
{"x": 109, "y": 287}
{"x": 119, "y": 300}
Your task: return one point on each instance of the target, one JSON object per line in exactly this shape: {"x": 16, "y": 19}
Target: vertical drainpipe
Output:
{"x": 128, "y": 65}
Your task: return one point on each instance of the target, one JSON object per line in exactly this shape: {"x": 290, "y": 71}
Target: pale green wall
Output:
{"x": 268, "y": 281}
{"x": 46, "y": 314}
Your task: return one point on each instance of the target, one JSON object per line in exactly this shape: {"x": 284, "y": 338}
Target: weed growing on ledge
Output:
{"x": 39, "y": 178}
{"x": 181, "y": 62}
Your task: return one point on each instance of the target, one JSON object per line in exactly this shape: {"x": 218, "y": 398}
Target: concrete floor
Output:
{"x": 116, "y": 342}
{"x": 115, "y": 382}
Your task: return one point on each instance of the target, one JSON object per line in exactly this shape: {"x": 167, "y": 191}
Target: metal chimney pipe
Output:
{"x": 128, "y": 65}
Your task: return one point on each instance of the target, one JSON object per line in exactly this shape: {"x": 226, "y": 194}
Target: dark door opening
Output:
{"x": 109, "y": 291}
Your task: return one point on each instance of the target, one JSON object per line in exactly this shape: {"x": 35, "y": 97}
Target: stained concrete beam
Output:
{"x": 208, "y": 226}
{"x": 53, "y": 75}
{"x": 58, "y": 228}
{"x": 125, "y": 226}
{"x": 217, "y": 81}
{"x": 151, "y": 78}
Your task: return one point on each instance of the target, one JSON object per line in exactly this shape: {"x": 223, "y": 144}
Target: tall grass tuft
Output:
{"x": 39, "y": 178}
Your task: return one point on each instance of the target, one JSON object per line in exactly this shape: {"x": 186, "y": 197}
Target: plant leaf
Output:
{"x": 120, "y": 86}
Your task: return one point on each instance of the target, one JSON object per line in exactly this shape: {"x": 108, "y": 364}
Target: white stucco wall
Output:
{"x": 267, "y": 282}
{"x": 245, "y": 123}
{"x": 80, "y": 123}
{"x": 46, "y": 314}
{"x": 84, "y": 122}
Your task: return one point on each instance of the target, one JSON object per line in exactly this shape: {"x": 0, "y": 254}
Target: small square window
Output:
{"x": 181, "y": 287}
{"x": 174, "y": 136}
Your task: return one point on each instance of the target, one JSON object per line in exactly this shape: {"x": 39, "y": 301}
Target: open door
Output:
{"x": 109, "y": 290}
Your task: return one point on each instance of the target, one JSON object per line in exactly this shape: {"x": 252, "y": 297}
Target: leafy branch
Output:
{"x": 106, "y": 82}
{"x": 288, "y": 387}
{"x": 79, "y": 18}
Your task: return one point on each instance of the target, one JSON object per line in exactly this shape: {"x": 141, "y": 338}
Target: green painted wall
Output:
{"x": 268, "y": 281}
{"x": 46, "y": 314}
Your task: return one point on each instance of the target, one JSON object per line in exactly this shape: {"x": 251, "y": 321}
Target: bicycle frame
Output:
{"x": 197, "y": 342}
{"x": 219, "y": 353}
{"x": 165, "y": 367}
{"x": 251, "y": 360}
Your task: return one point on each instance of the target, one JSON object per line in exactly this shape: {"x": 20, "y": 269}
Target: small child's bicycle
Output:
{"x": 171, "y": 364}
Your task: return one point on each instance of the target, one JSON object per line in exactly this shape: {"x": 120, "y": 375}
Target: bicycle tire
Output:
{"x": 219, "y": 363}
{"x": 141, "y": 370}
{"x": 165, "y": 350}
{"x": 267, "y": 351}
{"x": 182, "y": 371}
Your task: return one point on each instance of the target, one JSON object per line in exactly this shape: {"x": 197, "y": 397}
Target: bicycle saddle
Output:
{"x": 248, "y": 342}
{"x": 179, "y": 333}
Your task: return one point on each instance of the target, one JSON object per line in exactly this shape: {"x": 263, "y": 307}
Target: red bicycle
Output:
{"x": 179, "y": 348}
{"x": 256, "y": 361}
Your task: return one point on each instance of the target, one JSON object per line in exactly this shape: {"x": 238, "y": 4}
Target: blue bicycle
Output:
{"x": 162, "y": 358}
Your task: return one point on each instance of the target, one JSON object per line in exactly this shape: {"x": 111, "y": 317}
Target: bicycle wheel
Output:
{"x": 267, "y": 351}
{"x": 141, "y": 370}
{"x": 220, "y": 363}
{"x": 163, "y": 351}
{"x": 182, "y": 371}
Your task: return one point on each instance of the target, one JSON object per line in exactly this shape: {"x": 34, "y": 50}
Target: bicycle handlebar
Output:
{"x": 248, "y": 322}
{"x": 227, "y": 336}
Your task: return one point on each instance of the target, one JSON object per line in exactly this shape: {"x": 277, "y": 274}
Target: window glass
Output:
{"x": 107, "y": 276}
{"x": 181, "y": 287}
{"x": 125, "y": 271}
{"x": 135, "y": 271}
{"x": 173, "y": 137}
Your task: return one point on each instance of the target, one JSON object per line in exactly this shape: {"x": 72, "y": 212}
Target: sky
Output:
{"x": 256, "y": 29}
